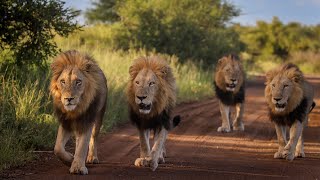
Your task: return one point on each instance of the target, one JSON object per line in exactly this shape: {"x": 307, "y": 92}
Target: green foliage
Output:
{"x": 186, "y": 28}
{"x": 26, "y": 122}
{"x": 27, "y": 28}
{"x": 269, "y": 44}
{"x": 104, "y": 11}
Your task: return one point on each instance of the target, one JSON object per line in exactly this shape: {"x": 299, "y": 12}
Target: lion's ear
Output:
{"x": 133, "y": 71}
{"x": 297, "y": 77}
{"x": 269, "y": 76}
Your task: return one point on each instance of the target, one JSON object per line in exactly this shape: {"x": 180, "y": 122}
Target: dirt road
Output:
{"x": 195, "y": 150}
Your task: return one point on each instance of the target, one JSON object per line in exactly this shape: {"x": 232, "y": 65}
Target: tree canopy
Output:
{"x": 186, "y": 28}
{"x": 28, "y": 27}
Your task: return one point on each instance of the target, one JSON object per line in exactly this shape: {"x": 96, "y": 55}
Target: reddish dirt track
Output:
{"x": 196, "y": 150}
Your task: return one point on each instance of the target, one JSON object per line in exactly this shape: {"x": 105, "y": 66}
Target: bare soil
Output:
{"x": 196, "y": 150}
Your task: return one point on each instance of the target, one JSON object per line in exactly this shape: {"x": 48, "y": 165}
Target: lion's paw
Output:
{"x": 288, "y": 155}
{"x": 77, "y": 168}
{"x": 92, "y": 160}
{"x": 153, "y": 164}
{"x": 278, "y": 155}
{"x": 299, "y": 154}
{"x": 161, "y": 160}
{"x": 238, "y": 127}
{"x": 141, "y": 162}
{"x": 223, "y": 129}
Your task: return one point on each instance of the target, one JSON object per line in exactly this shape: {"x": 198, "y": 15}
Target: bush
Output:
{"x": 186, "y": 28}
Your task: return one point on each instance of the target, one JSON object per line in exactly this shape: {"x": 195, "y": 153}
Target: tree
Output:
{"x": 27, "y": 28}
{"x": 186, "y": 28}
{"x": 104, "y": 11}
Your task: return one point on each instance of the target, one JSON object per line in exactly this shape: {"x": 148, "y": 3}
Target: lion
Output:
{"x": 79, "y": 90}
{"x": 151, "y": 94}
{"x": 229, "y": 85}
{"x": 290, "y": 100}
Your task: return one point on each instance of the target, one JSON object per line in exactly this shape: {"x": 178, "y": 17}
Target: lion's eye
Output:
{"x": 78, "y": 82}
{"x": 62, "y": 81}
{"x": 284, "y": 86}
{"x": 137, "y": 82}
{"x": 273, "y": 85}
{"x": 152, "y": 83}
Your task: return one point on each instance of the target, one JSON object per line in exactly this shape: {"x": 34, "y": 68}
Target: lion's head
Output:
{"x": 74, "y": 81}
{"x": 229, "y": 74}
{"x": 284, "y": 89}
{"x": 151, "y": 87}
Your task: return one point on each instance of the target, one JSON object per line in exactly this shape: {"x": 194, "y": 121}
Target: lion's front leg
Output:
{"x": 144, "y": 148}
{"x": 237, "y": 123}
{"x": 225, "y": 111}
{"x": 59, "y": 149}
{"x": 93, "y": 149}
{"x": 282, "y": 141}
{"x": 295, "y": 132}
{"x": 157, "y": 149}
{"x": 300, "y": 146}
{"x": 78, "y": 165}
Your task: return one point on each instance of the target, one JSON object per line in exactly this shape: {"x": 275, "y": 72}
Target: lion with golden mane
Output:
{"x": 229, "y": 84}
{"x": 290, "y": 100}
{"x": 79, "y": 90}
{"x": 151, "y": 95}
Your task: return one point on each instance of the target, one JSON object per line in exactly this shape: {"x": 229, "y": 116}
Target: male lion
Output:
{"x": 290, "y": 100}
{"x": 79, "y": 91}
{"x": 151, "y": 96}
{"x": 229, "y": 87}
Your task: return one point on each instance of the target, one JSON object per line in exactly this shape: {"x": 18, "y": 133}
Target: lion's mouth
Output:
{"x": 280, "y": 107}
{"x": 69, "y": 107}
{"x": 144, "y": 108}
{"x": 231, "y": 86}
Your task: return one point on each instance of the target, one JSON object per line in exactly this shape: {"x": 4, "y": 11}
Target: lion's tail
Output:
{"x": 312, "y": 106}
{"x": 176, "y": 120}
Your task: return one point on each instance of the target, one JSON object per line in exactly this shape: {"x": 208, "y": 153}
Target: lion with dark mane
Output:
{"x": 79, "y": 90}
{"x": 229, "y": 84}
{"x": 151, "y": 94}
{"x": 290, "y": 100}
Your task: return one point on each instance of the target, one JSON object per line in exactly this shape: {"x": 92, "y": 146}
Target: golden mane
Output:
{"x": 293, "y": 73}
{"x": 166, "y": 96}
{"x": 219, "y": 74}
{"x": 93, "y": 76}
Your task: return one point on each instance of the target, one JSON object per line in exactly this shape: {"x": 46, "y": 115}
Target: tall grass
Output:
{"x": 26, "y": 122}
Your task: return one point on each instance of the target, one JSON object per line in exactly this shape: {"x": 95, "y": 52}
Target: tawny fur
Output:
{"x": 220, "y": 74}
{"x": 165, "y": 98}
{"x": 287, "y": 88}
{"x": 300, "y": 89}
{"x": 77, "y": 75}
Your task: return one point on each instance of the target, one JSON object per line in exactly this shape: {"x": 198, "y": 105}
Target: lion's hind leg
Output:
{"x": 59, "y": 149}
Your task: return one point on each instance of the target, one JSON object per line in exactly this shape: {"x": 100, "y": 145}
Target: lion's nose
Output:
{"x": 277, "y": 99}
{"x": 69, "y": 99}
{"x": 141, "y": 97}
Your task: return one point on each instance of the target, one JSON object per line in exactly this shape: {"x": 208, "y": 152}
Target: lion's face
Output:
{"x": 232, "y": 73}
{"x": 281, "y": 90}
{"x": 145, "y": 88}
{"x": 71, "y": 85}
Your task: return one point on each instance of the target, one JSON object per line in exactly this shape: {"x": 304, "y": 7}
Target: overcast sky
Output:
{"x": 303, "y": 11}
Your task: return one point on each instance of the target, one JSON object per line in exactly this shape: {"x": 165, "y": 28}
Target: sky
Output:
{"x": 304, "y": 11}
